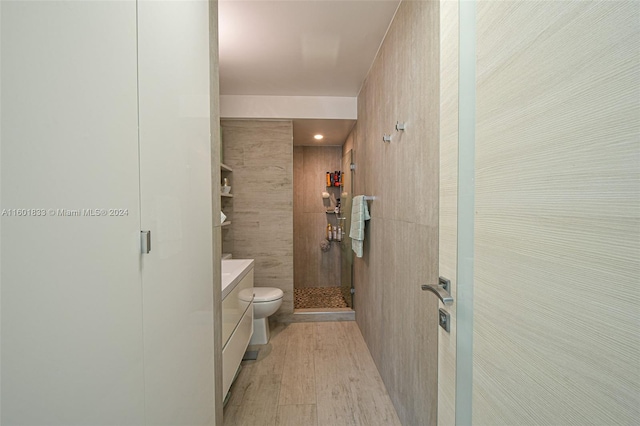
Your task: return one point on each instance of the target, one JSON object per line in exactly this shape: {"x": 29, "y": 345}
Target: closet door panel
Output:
{"x": 71, "y": 288}
{"x": 176, "y": 207}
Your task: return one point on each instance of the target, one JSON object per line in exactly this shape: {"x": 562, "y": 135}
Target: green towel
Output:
{"x": 359, "y": 213}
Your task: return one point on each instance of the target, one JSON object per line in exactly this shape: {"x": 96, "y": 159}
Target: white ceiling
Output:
{"x": 335, "y": 132}
{"x": 299, "y": 47}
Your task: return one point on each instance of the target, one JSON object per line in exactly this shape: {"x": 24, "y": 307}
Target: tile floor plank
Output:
{"x": 272, "y": 355}
{"x": 324, "y": 376}
{"x": 297, "y": 415}
{"x": 259, "y": 405}
{"x": 348, "y": 386}
{"x": 298, "y": 377}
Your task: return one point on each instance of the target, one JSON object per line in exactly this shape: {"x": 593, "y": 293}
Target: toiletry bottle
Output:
{"x": 337, "y": 209}
{"x": 328, "y": 179}
{"x": 329, "y": 233}
{"x": 335, "y": 233}
{"x": 338, "y": 178}
{"x": 339, "y": 233}
{"x": 225, "y": 186}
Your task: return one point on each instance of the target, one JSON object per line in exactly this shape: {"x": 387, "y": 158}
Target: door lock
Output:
{"x": 444, "y": 319}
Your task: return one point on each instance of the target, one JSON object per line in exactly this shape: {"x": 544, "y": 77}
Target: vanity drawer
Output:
{"x": 236, "y": 346}
{"x": 235, "y": 305}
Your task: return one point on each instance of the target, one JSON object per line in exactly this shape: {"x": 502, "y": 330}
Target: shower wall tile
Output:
{"x": 298, "y": 186}
{"x": 260, "y": 152}
{"x": 397, "y": 319}
{"x": 312, "y": 267}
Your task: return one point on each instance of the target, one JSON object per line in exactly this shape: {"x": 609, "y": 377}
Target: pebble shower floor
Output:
{"x": 318, "y": 297}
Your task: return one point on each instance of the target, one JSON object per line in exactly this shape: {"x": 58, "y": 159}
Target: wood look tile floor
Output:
{"x": 312, "y": 373}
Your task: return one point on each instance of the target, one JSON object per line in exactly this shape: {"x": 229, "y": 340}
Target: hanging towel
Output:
{"x": 359, "y": 213}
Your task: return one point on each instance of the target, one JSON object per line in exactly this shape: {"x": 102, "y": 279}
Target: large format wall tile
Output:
{"x": 397, "y": 319}
{"x": 261, "y": 211}
{"x": 312, "y": 267}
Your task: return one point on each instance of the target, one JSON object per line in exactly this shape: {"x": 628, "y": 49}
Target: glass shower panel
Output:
{"x": 346, "y": 254}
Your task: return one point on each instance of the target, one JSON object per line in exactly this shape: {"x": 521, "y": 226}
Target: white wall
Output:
{"x": 279, "y": 107}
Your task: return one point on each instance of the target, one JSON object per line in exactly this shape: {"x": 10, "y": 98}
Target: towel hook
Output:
{"x": 386, "y": 138}
{"x": 400, "y": 126}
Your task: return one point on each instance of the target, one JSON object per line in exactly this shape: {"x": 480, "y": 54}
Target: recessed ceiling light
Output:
{"x": 318, "y": 137}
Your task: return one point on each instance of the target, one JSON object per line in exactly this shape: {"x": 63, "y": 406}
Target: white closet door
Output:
{"x": 71, "y": 291}
{"x": 176, "y": 207}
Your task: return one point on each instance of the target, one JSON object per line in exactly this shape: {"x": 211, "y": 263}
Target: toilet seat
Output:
{"x": 266, "y": 294}
{"x": 246, "y": 295}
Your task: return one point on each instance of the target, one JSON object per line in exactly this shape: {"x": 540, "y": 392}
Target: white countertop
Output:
{"x": 233, "y": 270}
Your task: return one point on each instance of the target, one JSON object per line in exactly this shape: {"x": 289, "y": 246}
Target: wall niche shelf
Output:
{"x": 224, "y": 168}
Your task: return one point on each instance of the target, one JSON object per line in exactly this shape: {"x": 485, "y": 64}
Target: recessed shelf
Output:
{"x": 225, "y": 168}
{"x": 227, "y": 195}
{"x": 226, "y": 223}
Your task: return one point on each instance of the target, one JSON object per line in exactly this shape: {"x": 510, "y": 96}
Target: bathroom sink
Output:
{"x": 233, "y": 270}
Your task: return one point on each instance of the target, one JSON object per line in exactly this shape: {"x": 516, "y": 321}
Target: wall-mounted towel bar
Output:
{"x": 369, "y": 197}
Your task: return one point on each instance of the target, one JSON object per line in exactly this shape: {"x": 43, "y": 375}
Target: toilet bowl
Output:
{"x": 266, "y": 302}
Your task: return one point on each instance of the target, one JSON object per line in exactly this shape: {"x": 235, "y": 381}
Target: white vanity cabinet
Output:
{"x": 237, "y": 315}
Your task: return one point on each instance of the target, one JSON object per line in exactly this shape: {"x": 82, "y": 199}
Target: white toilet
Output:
{"x": 266, "y": 302}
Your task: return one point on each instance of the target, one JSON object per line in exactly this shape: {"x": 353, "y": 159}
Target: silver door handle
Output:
{"x": 145, "y": 242}
{"x": 441, "y": 290}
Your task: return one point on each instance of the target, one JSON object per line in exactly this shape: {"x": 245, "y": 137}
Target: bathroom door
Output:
{"x": 557, "y": 213}
{"x": 448, "y": 207}
{"x": 346, "y": 255}
{"x": 548, "y": 212}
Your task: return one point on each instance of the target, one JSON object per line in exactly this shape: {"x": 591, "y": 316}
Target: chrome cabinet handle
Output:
{"x": 145, "y": 242}
{"x": 440, "y": 290}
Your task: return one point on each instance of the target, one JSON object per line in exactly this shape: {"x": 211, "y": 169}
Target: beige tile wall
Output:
{"x": 398, "y": 319}
{"x": 312, "y": 267}
{"x": 261, "y": 212}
